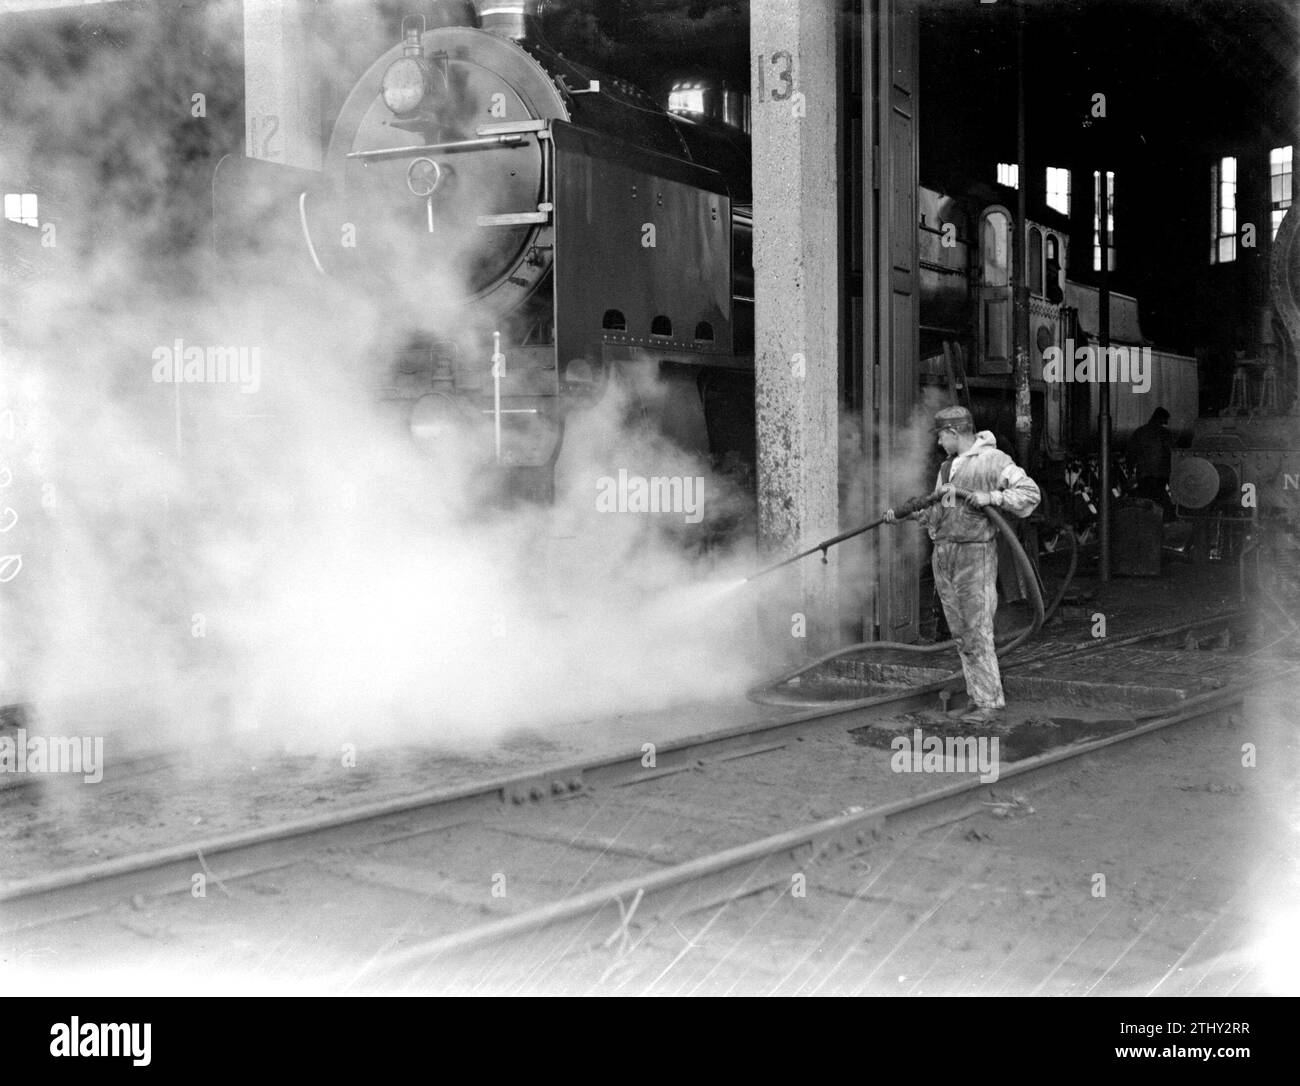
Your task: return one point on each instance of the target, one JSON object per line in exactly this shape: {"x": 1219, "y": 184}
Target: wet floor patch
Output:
{"x": 1019, "y": 737}
{"x": 828, "y": 693}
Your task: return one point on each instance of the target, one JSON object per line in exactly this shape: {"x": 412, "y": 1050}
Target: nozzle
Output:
{"x": 914, "y": 505}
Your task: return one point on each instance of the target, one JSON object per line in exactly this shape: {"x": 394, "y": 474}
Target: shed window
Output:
{"x": 1096, "y": 220}
{"x": 1058, "y": 189}
{"x": 21, "y": 207}
{"x": 1279, "y": 183}
{"x": 1223, "y": 210}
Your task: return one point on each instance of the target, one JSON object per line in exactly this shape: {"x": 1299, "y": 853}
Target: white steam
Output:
{"x": 282, "y": 558}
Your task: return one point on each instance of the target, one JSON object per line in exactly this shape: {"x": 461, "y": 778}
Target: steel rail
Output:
{"x": 824, "y": 830}
{"x": 572, "y": 776}
{"x": 169, "y": 869}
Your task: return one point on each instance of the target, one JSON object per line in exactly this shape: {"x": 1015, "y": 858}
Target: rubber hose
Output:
{"x": 1069, "y": 573}
{"x": 765, "y": 693}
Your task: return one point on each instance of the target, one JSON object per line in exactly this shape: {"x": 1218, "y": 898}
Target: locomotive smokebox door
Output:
{"x": 642, "y": 260}
{"x": 440, "y": 159}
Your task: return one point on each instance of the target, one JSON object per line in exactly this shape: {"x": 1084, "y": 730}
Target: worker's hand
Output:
{"x": 889, "y": 517}
{"x": 947, "y": 495}
{"x": 980, "y": 498}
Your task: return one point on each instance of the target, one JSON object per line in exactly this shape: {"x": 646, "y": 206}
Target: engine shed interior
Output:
{"x": 419, "y": 416}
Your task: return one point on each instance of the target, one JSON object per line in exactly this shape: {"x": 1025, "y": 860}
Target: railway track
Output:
{"x": 603, "y": 915}
{"x": 552, "y": 862}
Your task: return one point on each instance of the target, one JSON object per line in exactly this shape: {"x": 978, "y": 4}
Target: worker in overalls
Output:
{"x": 965, "y": 559}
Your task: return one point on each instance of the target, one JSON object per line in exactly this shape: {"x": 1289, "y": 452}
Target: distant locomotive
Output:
{"x": 559, "y": 220}
{"x": 967, "y": 273}
{"x": 1240, "y": 477}
{"x": 1238, "y": 481}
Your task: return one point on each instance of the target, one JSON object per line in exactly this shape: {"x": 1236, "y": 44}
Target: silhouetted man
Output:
{"x": 1149, "y": 451}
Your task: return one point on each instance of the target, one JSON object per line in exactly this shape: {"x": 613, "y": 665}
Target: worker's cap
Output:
{"x": 953, "y": 418}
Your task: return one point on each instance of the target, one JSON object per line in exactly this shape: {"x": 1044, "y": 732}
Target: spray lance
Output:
{"x": 912, "y": 505}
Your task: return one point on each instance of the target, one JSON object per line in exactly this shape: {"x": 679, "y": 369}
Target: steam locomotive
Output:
{"x": 1238, "y": 480}
{"x": 573, "y": 231}
{"x": 967, "y": 269}
{"x": 558, "y": 227}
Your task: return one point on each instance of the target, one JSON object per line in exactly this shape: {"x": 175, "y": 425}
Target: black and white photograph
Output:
{"x": 655, "y": 498}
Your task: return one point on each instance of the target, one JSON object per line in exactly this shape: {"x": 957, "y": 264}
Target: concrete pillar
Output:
{"x": 282, "y": 92}
{"x": 793, "y": 77}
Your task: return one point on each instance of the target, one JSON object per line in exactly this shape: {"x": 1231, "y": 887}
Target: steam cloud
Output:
{"x": 281, "y": 559}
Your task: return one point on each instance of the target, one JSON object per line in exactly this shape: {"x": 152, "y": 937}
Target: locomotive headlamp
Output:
{"x": 423, "y": 176}
{"x": 406, "y": 84}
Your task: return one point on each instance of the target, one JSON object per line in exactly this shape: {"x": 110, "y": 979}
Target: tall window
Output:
{"x": 1052, "y": 287}
{"x": 21, "y": 207}
{"x": 1223, "y": 207}
{"x": 1009, "y": 174}
{"x": 994, "y": 289}
{"x": 1279, "y": 180}
{"x": 1035, "y": 263}
{"x": 1096, "y": 220}
{"x": 996, "y": 243}
{"x": 1058, "y": 189}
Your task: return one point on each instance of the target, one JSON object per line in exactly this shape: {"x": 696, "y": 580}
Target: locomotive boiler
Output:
{"x": 565, "y": 229}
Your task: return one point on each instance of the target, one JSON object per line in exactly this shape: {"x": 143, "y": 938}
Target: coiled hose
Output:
{"x": 765, "y": 693}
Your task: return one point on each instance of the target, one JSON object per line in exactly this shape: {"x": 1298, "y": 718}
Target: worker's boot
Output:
{"x": 982, "y": 716}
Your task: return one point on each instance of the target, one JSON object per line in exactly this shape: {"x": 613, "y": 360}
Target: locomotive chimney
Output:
{"x": 517, "y": 19}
